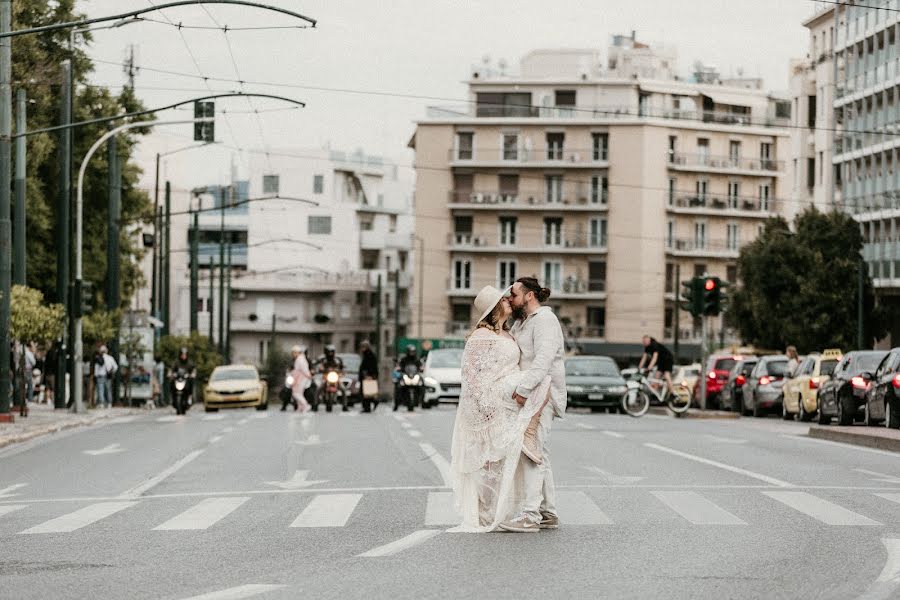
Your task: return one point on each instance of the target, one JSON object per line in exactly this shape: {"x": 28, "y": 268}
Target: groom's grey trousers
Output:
{"x": 540, "y": 492}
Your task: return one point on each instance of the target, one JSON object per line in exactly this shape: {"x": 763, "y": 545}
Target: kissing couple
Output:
{"x": 513, "y": 386}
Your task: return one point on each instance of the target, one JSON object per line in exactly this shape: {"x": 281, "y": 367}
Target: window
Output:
{"x": 462, "y": 229}
{"x": 510, "y": 146}
{"x": 668, "y": 319}
{"x": 601, "y": 146}
{"x": 599, "y": 189}
{"x": 555, "y": 143}
{"x": 553, "y": 231}
{"x": 700, "y": 235}
{"x": 319, "y": 225}
{"x": 672, "y": 147}
{"x": 509, "y": 188}
{"x": 732, "y": 239}
{"x": 764, "y": 191}
{"x": 504, "y": 104}
{"x": 699, "y": 269}
{"x": 392, "y": 224}
{"x": 810, "y": 172}
{"x": 670, "y": 278}
{"x": 465, "y": 145}
{"x": 596, "y": 321}
{"x": 554, "y": 189}
{"x": 366, "y": 222}
{"x": 553, "y": 275}
{"x": 811, "y": 112}
{"x": 506, "y": 273}
{"x": 565, "y": 102}
{"x": 731, "y": 273}
{"x": 270, "y": 185}
{"x": 734, "y": 192}
{"x": 702, "y": 191}
{"x": 597, "y": 276}
{"x": 673, "y": 184}
{"x": 462, "y": 313}
{"x": 821, "y": 166}
{"x": 703, "y": 151}
{"x": 598, "y": 233}
{"x": 734, "y": 153}
{"x": 670, "y": 233}
{"x": 508, "y": 231}
{"x": 796, "y": 174}
{"x": 318, "y": 184}
{"x": 462, "y": 274}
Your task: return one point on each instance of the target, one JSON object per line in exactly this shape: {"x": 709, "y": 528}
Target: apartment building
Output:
{"x": 604, "y": 187}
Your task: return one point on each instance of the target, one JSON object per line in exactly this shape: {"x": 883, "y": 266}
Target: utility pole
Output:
{"x": 703, "y": 320}
{"x": 222, "y": 273}
{"x": 19, "y": 225}
{"x": 63, "y": 217}
{"x": 378, "y": 348}
{"x": 5, "y": 225}
{"x": 860, "y": 325}
{"x": 154, "y": 286}
{"x": 114, "y": 179}
{"x": 676, "y": 323}
{"x": 397, "y": 311}
{"x": 228, "y": 311}
{"x": 209, "y": 302}
{"x": 195, "y": 292}
{"x": 272, "y": 336}
{"x": 165, "y": 278}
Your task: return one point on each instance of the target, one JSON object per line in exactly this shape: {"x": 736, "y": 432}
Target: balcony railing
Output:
{"x": 723, "y": 203}
{"x": 565, "y": 241}
{"x": 707, "y": 161}
{"x": 581, "y": 286}
{"x": 702, "y": 247}
{"x": 557, "y": 155}
{"x": 590, "y": 199}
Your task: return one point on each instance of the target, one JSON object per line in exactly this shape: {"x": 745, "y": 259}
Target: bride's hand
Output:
{"x": 519, "y": 399}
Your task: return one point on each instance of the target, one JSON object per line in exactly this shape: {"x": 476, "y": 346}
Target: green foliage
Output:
{"x": 800, "y": 287}
{"x": 36, "y": 67}
{"x": 201, "y": 352}
{"x": 98, "y": 327}
{"x": 31, "y": 320}
{"x": 277, "y": 362}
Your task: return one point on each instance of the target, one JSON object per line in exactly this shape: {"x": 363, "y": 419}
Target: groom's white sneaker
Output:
{"x": 549, "y": 521}
{"x": 520, "y": 525}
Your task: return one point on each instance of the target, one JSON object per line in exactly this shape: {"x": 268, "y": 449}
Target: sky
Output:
{"x": 364, "y": 51}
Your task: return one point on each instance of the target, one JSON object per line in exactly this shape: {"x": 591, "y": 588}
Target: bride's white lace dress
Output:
{"x": 488, "y": 433}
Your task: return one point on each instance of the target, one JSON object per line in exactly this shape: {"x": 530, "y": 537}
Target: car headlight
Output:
{"x": 617, "y": 389}
{"x": 289, "y": 382}
{"x": 575, "y": 389}
{"x": 332, "y": 377}
{"x": 431, "y": 381}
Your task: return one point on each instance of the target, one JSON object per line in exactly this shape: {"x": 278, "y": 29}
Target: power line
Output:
{"x": 849, "y": 5}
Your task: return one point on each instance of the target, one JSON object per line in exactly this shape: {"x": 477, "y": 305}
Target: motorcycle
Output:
{"x": 286, "y": 395}
{"x": 411, "y": 390}
{"x": 181, "y": 398}
{"x": 328, "y": 393}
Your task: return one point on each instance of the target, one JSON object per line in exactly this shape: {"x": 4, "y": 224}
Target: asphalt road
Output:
{"x": 244, "y": 504}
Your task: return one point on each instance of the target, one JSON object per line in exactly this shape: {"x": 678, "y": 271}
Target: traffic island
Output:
{"x": 693, "y": 413}
{"x": 881, "y": 438}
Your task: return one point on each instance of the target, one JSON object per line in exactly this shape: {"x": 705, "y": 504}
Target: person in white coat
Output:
{"x": 302, "y": 378}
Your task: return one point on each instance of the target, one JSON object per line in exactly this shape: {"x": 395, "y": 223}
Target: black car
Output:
{"x": 883, "y": 397}
{"x": 844, "y": 394}
{"x": 732, "y": 396}
{"x": 594, "y": 381}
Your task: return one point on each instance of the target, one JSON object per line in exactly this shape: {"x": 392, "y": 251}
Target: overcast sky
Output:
{"x": 414, "y": 47}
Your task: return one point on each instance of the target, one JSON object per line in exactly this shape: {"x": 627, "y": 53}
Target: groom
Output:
{"x": 540, "y": 337}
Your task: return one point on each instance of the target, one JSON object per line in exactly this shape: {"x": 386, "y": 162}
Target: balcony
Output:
{"x": 726, "y": 165}
{"x": 550, "y": 157}
{"x": 576, "y": 243}
{"x": 389, "y": 278}
{"x": 207, "y": 252}
{"x": 721, "y": 205}
{"x": 579, "y": 289}
{"x": 495, "y": 200}
{"x": 701, "y": 248}
{"x": 381, "y": 240}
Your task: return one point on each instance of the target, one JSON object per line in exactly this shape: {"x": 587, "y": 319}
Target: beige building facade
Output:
{"x": 602, "y": 188}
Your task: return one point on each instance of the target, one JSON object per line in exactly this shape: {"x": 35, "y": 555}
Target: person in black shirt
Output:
{"x": 660, "y": 357}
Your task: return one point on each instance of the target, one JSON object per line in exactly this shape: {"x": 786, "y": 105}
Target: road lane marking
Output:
{"x": 261, "y": 415}
{"x": 110, "y": 449}
{"x": 7, "y": 491}
{"x": 440, "y": 510}
{"x": 400, "y": 418}
{"x": 804, "y": 438}
{"x": 328, "y": 510}
{"x": 313, "y": 440}
{"x": 713, "y": 463}
{"x": 238, "y": 593}
{"x": 213, "y": 418}
{"x": 121, "y": 420}
{"x": 243, "y": 421}
{"x": 414, "y": 433}
{"x": 819, "y": 509}
{"x": 725, "y": 440}
{"x": 888, "y": 581}
{"x": 614, "y": 434}
{"x": 879, "y": 476}
{"x": 298, "y": 481}
{"x": 169, "y": 419}
{"x": 585, "y": 426}
{"x": 610, "y": 478}
{"x": 405, "y": 425}
{"x": 891, "y": 497}
{"x": 151, "y": 483}
{"x": 80, "y": 518}
{"x": 349, "y": 413}
{"x": 215, "y": 439}
{"x": 405, "y": 543}
{"x": 439, "y": 461}
{"x": 578, "y": 509}
{"x": 204, "y": 514}
{"x": 5, "y": 509}
{"x": 697, "y": 509}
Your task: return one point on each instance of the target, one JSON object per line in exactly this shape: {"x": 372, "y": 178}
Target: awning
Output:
{"x": 664, "y": 88}
{"x": 735, "y": 98}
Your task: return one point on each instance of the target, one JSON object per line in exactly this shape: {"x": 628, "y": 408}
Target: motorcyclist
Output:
{"x": 332, "y": 362}
{"x": 410, "y": 357}
{"x": 183, "y": 362}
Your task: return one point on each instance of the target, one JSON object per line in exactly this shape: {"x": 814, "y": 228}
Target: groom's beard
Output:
{"x": 518, "y": 313}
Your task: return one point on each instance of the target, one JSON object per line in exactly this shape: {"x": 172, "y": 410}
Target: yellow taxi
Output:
{"x": 684, "y": 380}
{"x": 235, "y": 386}
{"x": 801, "y": 391}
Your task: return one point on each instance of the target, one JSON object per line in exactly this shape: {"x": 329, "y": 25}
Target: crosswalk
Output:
{"x": 576, "y": 507}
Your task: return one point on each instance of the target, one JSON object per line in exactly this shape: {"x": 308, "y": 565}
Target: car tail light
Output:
{"x": 765, "y": 380}
{"x": 740, "y": 380}
{"x": 896, "y": 381}
{"x": 859, "y": 382}
{"x": 813, "y": 384}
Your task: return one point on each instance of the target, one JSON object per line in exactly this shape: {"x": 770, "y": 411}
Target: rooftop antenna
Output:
{"x": 129, "y": 67}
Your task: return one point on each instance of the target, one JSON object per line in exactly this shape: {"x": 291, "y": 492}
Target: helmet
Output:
{"x": 183, "y": 351}
{"x": 330, "y": 349}
{"x": 411, "y": 350}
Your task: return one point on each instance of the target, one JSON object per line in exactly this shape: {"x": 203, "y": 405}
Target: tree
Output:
{"x": 32, "y": 321}
{"x": 201, "y": 351}
{"x": 800, "y": 287}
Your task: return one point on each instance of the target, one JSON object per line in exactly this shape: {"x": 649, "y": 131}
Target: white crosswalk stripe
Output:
{"x": 697, "y": 509}
{"x": 328, "y": 510}
{"x": 819, "y": 509}
{"x": 204, "y": 514}
{"x": 238, "y": 593}
{"x": 440, "y": 510}
{"x": 80, "y": 518}
{"x": 579, "y": 509}
{"x": 5, "y": 509}
{"x": 891, "y": 497}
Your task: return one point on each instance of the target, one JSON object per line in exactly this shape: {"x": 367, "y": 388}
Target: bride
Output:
{"x": 491, "y": 429}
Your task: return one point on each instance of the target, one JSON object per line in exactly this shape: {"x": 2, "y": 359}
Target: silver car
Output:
{"x": 762, "y": 391}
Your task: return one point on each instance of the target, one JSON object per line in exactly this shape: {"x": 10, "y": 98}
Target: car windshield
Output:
{"x": 446, "y": 359}
{"x": 868, "y": 361}
{"x": 724, "y": 364}
{"x": 748, "y": 366}
{"x": 777, "y": 368}
{"x": 587, "y": 367}
{"x": 827, "y": 367}
{"x": 351, "y": 361}
{"x": 233, "y": 374}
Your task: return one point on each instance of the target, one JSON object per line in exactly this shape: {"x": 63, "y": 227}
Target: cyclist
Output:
{"x": 660, "y": 357}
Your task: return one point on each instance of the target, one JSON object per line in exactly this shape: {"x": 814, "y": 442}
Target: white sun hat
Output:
{"x": 487, "y": 299}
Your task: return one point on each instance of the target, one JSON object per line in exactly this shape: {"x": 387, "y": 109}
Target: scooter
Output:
{"x": 328, "y": 393}
{"x": 181, "y": 399}
{"x": 411, "y": 388}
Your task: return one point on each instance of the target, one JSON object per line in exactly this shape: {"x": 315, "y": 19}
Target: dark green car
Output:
{"x": 594, "y": 382}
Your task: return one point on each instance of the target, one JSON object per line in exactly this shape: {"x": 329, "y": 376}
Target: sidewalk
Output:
{"x": 42, "y": 419}
{"x": 881, "y": 438}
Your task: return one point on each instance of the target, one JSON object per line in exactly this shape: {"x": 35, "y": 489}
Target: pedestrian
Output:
{"x": 50, "y": 366}
{"x": 793, "y": 360}
{"x": 368, "y": 371}
{"x": 156, "y": 382}
{"x": 302, "y": 378}
{"x": 105, "y": 368}
{"x": 28, "y": 375}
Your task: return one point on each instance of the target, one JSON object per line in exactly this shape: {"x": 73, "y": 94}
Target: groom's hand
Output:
{"x": 519, "y": 398}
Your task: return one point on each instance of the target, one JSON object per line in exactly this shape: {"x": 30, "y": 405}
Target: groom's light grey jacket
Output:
{"x": 540, "y": 338}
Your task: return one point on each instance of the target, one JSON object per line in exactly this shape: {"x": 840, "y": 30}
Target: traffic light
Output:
{"x": 712, "y": 296}
{"x": 204, "y": 131}
{"x": 692, "y": 296}
{"x": 82, "y": 297}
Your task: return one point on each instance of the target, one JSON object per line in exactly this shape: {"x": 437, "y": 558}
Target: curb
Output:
{"x": 693, "y": 413}
{"x": 858, "y": 436}
{"x": 30, "y": 435}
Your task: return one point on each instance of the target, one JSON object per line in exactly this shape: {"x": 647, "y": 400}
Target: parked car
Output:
{"x": 732, "y": 397}
{"x": 685, "y": 379}
{"x": 883, "y": 396}
{"x": 594, "y": 381}
{"x": 762, "y": 391}
{"x": 235, "y": 386}
{"x": 801, "y": 391}
{"x": 443, "y": 375}
{"x": 717, "y": 369}
{"x": 844, "y": 393}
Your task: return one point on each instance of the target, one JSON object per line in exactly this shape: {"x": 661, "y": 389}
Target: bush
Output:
{"x": 200, "y": 350}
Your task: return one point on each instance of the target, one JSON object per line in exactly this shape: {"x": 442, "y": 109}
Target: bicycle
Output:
{"x": 641, "y": 393}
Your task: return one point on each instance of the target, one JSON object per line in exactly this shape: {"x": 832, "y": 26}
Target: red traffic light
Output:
{"x": 710, "y": 285}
